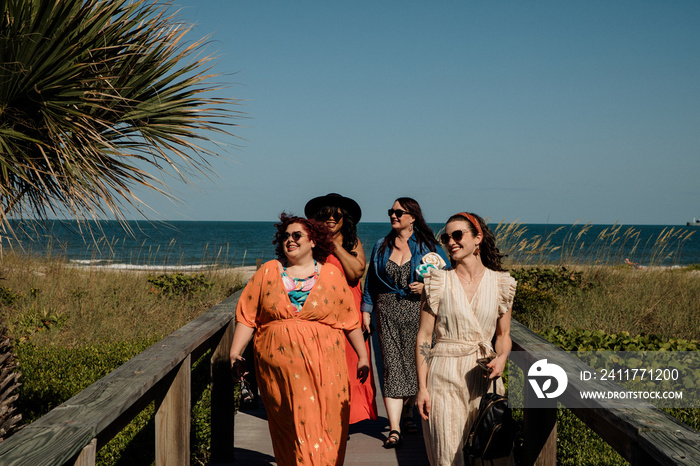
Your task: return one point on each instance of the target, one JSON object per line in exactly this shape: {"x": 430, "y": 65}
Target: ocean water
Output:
{"x": 197, "y": 245}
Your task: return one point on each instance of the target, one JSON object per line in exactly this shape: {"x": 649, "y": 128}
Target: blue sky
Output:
{"x": 537, "y": 111}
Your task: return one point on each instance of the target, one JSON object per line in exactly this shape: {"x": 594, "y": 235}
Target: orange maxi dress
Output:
{"x": 362, "y": 401}
{"x": 300, "y": 360}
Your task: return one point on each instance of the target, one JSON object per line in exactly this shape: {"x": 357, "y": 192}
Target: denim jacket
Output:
{"x": 377, "y": 279}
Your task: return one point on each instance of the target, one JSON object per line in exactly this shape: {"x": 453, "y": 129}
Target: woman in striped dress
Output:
{"x": 466, "y": 306}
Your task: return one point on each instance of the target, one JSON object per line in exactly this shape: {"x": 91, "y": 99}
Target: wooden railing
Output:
{"x": 638, "y": 431}
{"x": 74, "y": 431}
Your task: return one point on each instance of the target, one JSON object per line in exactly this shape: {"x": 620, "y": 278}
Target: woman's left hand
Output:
{"x": 416, "y": 287}
{"x": 497, "y": 365}
{"x": 362, "y": 369}
{"x": 337, "y": 243}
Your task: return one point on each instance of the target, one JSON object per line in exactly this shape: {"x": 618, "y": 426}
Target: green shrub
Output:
{"x": 71, "y": 326}
{"x": 577, "y": 339}
{"x": 52, "y": 375}
{"x": 539, "y": 291}
{"x": 179, "y": 284}
{"x": 9, "y": 297}
{"x": 34, "y": 321}
{"x": 576, "y": 443}
{"x": 531, "y": 304}
{"x": 556, "y": 280}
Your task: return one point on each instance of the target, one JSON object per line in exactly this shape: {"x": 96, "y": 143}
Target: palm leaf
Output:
{"x": 97, "y": 97}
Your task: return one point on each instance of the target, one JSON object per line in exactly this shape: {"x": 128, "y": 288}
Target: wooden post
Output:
{"x": 87, "y": 456}
{"x": 223, "y": 408}
{"x": 173, "y": 419}
{"x": 540, "y": 442}
{"x": 258, "y": 263}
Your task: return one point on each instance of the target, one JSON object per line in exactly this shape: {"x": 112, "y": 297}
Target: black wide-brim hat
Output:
{"x": 333, "y": 199}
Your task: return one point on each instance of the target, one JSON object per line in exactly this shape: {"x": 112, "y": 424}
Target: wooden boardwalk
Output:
{"x": 72, "y": 432}
{"x": 254, "y": 448}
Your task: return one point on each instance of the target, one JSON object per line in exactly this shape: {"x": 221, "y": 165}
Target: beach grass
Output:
{"x": 72, "y": 325}
{"x": 661, "y": 301}
{"x": 52, "y": 302}
{"x": 596, "y": 289}
{"x": 577, "y": 245}
{"x": 656, "y": 298}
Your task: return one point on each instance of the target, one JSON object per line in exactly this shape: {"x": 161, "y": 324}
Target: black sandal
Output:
{"x": 409, "y": 425}
{"x": 393, "y": 440}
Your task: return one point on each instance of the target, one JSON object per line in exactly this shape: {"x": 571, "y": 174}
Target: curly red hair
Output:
{"x": 318, "y": 233}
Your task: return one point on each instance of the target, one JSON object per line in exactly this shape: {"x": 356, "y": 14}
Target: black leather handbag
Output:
{"x": 493, "y": 432}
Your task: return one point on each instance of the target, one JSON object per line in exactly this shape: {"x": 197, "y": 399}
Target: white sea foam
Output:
{"x": 89, "y": 261}
{"x": 106, "y": 264}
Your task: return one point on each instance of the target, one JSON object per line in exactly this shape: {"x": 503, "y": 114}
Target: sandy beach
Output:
{"x": 246, "y": 271}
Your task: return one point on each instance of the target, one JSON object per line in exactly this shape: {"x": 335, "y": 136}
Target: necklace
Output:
{"x": 469, "y": 282}
{"x": 314, "y": 274}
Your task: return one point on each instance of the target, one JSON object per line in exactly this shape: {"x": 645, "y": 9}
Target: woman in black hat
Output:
{"x": 341, "y": 215}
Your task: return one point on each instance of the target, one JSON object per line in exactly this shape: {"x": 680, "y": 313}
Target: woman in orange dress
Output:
{"x": 299, "y": 310}
{"x": 341, "y": 215}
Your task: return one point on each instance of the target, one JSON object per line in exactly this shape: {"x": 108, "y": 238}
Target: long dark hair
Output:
{"x": 424, "y": 235}
{"x": 348, "y": 230}
{"x": 318, "y": 233}
{"x": 491, "y": 257}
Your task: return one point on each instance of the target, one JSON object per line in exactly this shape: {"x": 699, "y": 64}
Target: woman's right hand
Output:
{"x": 423, "y": 403}
{"x": 416, "y": 287}
{"x": 362, "y": 369}
{"x": 237, "y": 364}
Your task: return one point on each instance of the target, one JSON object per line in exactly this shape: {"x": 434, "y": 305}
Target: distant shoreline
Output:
{"x": 249, "y": 270}
{"x": 246, "y": 271}
{"x": 194, "y": 246}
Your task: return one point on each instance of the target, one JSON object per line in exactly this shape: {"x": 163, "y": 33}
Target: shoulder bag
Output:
{"x": 493, "y": 432}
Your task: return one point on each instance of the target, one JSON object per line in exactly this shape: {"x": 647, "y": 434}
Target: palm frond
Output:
{"x": 96, "y": 98}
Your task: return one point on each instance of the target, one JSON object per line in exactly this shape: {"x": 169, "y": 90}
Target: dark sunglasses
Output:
{"x": 325, "y": 216}
{"x": 397, "y": 212}
{"x": 296, "y": 235}
{"x": 456, "y": 235}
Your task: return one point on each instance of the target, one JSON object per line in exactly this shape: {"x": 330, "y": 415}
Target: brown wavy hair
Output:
{"x": 491, "y": 256}
{"x": 318, "y": 233}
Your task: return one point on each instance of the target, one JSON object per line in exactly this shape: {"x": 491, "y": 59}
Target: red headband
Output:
{"x": 473, "y": 221}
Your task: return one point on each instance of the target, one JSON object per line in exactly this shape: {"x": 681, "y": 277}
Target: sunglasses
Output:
{"x": 327, "y": 215}
{"x": 296, "y": 235}
{"x": 456, "y": 235}
{"x": 397, "y": 212}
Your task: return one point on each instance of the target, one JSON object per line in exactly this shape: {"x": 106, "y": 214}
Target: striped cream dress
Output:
{"x": 464, "y": 332}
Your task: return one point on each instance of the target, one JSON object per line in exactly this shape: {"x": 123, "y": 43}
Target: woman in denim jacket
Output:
{"x": 393, "y": 287}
